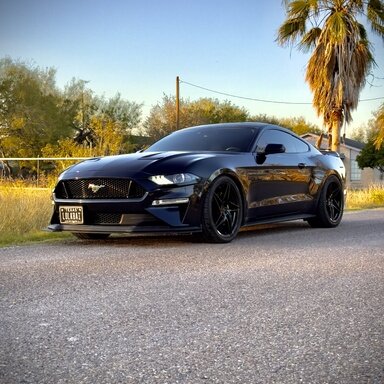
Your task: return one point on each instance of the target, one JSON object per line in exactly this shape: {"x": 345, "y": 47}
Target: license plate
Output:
{"x": 71, "y": 215}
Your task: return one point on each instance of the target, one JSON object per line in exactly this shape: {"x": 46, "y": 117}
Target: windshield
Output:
{"x": 208, "y": 138}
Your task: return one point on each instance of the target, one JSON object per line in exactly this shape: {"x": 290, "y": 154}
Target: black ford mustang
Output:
{"x": 212, "y": 179}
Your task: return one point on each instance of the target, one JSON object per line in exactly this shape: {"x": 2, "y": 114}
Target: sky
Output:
{"x": 138, "y": 47}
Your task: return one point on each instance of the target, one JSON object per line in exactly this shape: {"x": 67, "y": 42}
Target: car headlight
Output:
{"x": 177, "y": 178}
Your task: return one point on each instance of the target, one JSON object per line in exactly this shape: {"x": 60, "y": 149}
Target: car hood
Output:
{"x": 136, "y": 164}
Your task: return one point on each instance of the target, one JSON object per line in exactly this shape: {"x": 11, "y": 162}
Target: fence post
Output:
{"x": 37, "y": 172}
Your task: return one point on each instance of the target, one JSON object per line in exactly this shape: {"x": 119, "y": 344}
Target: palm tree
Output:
{"x": 380, "y": 126}
{"x": 342, "y": 55}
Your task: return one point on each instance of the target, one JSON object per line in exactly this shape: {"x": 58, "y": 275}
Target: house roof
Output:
{"x": 343, "y": 141}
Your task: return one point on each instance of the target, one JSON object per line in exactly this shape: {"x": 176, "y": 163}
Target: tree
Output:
{"x": 341, "y": 58}
{"x": 31, "y": 109}
{"x": 111, "y": 124}
{"x": 80, "y": 101}
{"x": 103, "y": 126}
{"x": 64, "y": 148}
{"x": 359, "y": 134}
{"x": 263, "y": 118}
{"x": 97, "y": 113}
{"x": 109, "y": 135}
{"x": 296, "y": 124}
{"x": 162, "y": 117}
{"x": 299, "y": 125}
{"x": 126, "y": 113}
{"x": 372, "y": 155}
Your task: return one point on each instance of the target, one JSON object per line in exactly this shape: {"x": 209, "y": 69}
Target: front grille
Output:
{"x": 107, "y": 218}
{"x": 131, "y": 219}
{"x": 101, "y": 188}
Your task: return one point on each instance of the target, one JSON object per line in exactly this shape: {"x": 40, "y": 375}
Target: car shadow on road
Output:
{"x": 177, "y": 239}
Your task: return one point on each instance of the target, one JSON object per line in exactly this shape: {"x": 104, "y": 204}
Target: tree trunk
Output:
{"x": 329, "y": 138}
{"x": 336, "y": 129}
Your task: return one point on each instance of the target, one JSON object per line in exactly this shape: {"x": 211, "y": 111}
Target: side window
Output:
{"x": 273, "y": 136}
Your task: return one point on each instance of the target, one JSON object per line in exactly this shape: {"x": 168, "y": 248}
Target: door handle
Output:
{"x": 301, "y": 165}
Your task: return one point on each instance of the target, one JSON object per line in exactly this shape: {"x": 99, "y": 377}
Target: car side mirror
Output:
{"x": 269, "y": 150}
{"x": 274, "y": 148}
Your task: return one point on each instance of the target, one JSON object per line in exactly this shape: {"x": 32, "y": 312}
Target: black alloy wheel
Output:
{"x": 222, "y": 211}
{"x": 331, "y": 205}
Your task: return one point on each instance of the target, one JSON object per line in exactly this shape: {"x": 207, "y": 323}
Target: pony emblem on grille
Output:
{"x": 95, "y": 188}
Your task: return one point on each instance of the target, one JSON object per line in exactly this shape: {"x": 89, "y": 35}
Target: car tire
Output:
{"x": 91, "y": 236}
{"x": 330, "y": 205}
{"x": 222, "y": 211}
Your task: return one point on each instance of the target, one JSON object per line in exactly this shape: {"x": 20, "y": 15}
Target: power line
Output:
{"x": 241, "y": 97}
{"x": 260, "y": 100}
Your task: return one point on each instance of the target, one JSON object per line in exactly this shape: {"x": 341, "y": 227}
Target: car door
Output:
{"x": 279, "y": 182}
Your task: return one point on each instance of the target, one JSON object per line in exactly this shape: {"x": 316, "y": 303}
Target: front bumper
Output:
{"x": 164, "y": 210}
{"x": 119, "y": 228}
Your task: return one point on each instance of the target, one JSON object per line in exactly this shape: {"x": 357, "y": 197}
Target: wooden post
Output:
{"x": 37, "y": 171}
{"x": 177, "y": 102}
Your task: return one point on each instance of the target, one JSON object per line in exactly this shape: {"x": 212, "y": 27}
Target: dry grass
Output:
{"x": 25, "y": 211}
{"x": 372, "y": 197}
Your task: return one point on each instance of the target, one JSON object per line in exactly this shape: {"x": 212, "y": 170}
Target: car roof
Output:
{"x": 260, "y": 126}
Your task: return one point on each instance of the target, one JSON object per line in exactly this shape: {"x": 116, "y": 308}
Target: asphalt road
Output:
{"x": 280, "y": 304}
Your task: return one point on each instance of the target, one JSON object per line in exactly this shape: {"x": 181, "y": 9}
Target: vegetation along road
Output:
{"x": 280, "y": 304}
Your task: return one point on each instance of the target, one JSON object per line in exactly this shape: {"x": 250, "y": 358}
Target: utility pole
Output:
{"x": 177, "y": 102}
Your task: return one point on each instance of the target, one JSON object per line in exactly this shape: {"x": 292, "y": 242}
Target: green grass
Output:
{"x": 25, "y": 211}
{"x": 32, "y": 237}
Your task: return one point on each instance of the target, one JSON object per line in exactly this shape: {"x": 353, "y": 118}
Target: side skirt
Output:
{"x": 279, "y": 219}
